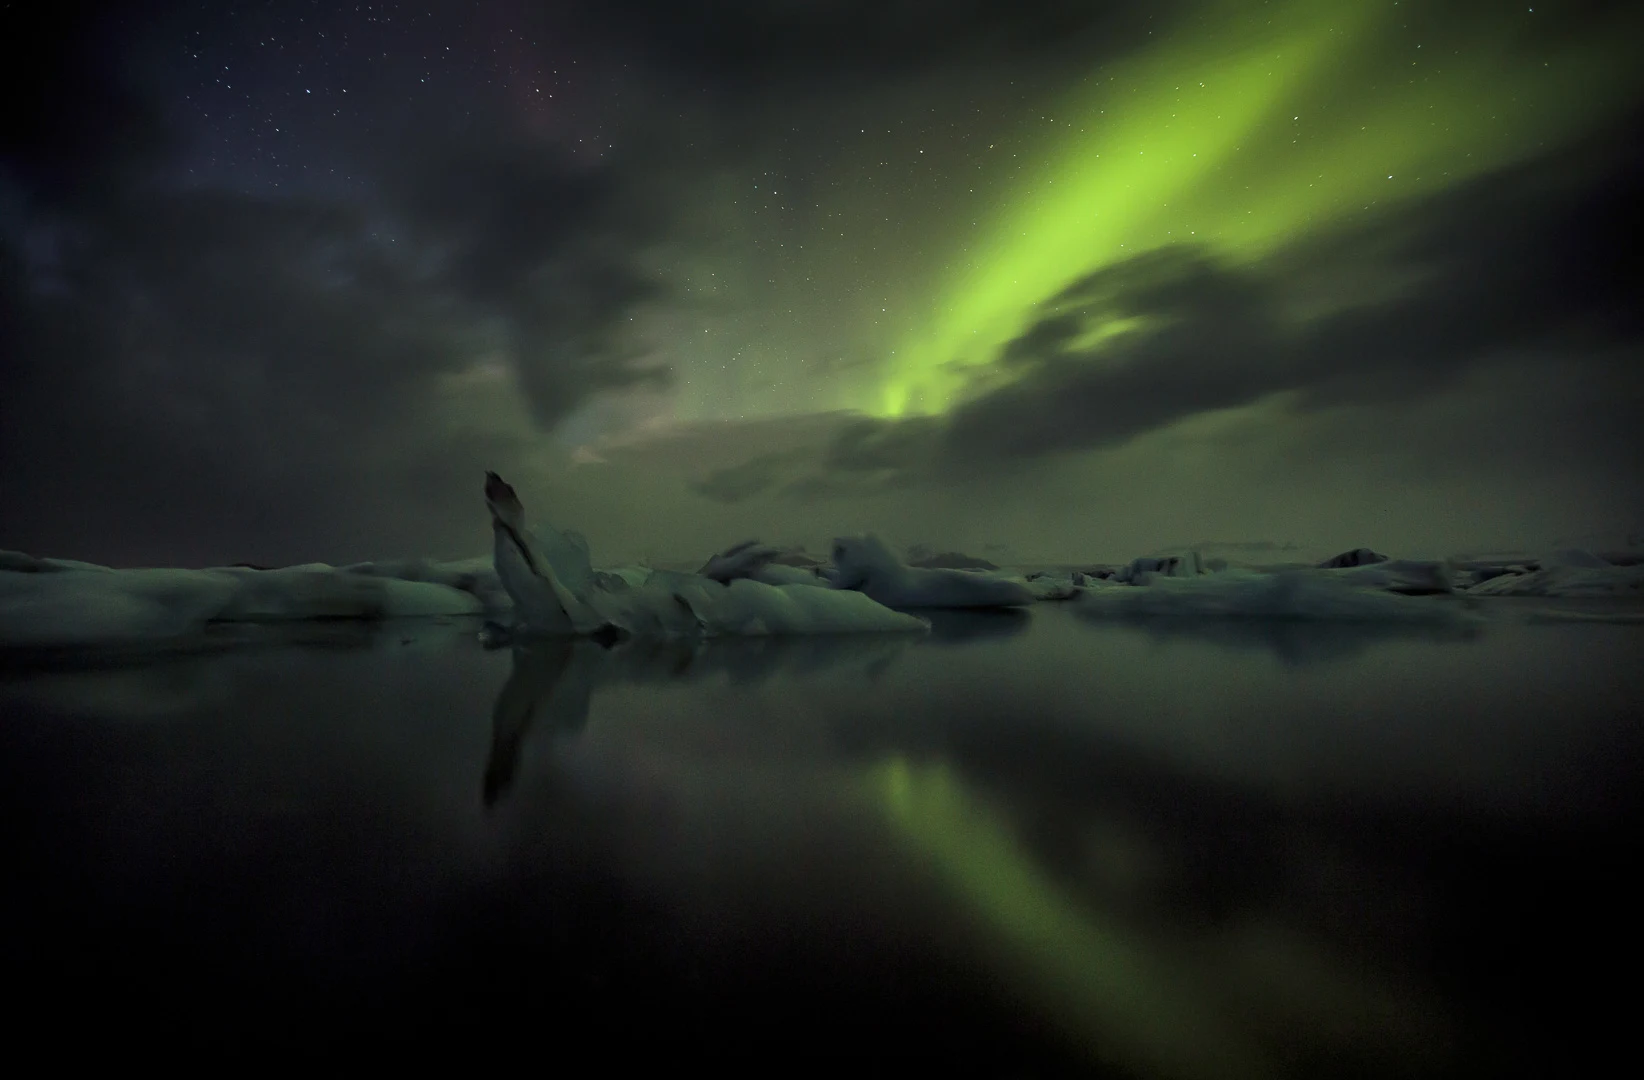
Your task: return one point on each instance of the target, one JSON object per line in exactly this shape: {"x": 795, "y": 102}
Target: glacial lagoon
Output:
{"x": 1026, "y": 844}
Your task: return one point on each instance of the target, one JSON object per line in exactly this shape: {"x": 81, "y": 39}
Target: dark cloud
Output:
{"x": 218, "y": 365}
{"x": 544, "y": 242}
{"x": 869, "y": 447}
{"x": 213, "y": 374}
{"x": 205, "y": 360}
{"x": 1543, "y": 257}
{"x": 738, "y": 483}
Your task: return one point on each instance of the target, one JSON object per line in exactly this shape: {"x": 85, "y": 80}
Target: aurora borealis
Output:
{"x": 279, "y": 282}
{"x": 1202, "y": 138}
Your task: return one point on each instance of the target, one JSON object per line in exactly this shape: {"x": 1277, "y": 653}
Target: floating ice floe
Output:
{"x": 60, "y": 607}
{"x": 1565, "y": 580}
{"x": 1356, "y": 557}
{"x": 1360, "y": 567}
{"x": 475, "y": 575}
{"x": 1056, "y": 585}
{"x": 557, "y": 593}
{"x": 866, "y": 565}
{"x": 55, "y": 605}
{"x": 744, "y": 560}
{"x": 924, "y": 557}
{"x": 757, "y": 562}
{"x": 1141, "y": 570}
{"x": 1286, "y": 594}
{"x": 1413, "y": 577}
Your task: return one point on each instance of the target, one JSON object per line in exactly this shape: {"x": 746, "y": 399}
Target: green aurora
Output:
{"x": 1249, "y": 128}
{"x": 1113, "y": 986}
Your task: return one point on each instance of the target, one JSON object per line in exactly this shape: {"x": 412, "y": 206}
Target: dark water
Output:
{"x": 1021, "y": 847}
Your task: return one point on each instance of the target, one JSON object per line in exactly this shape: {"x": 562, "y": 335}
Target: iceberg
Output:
{"x": 475, "y": 576}
{"x": 1144, "y": 569}
{"x": 59, "y": 604}
{"x": 65, "y": 608}
{"x": 1566, "y": 580}
{"x": 1356, "y": 557}
{"x": 556, "y": 592}
{"x": 744, "y": 560}
{"x": 864, "y": 564}
{"x": 1287, "y": 594}
{"x": 757, "y": 562}
{"x": 1413, "y": 577}
{"x": 926, "y": 558}
{"x": 1050, "y": 585}
{"x": 317, "y": 592}
{"x": 1360, "y": 567}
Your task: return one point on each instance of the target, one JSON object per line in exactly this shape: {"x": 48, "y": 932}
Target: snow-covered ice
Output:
{"x": 1357, "y": 557}
{"x": 1140, "y": 570}
{"x": 540, "y": 572}
{"x": 1413, "y": 577}
{"x": 56, "y": 603}
{"x": 1286, "y": 594}
{"x": 58, "y": 608}
{"x": 865, "y": 564}
{"x": 548, "y": 582}
{"x": 1566, "y": 580}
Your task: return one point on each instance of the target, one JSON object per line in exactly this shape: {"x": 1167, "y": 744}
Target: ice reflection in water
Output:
{"x": 1173, "y": 848}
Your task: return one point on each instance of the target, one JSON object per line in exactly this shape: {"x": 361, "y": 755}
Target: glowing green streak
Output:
{"x": 1124, "y": 1003}
{"x": 1194, "y": 142}
{"x": 1152, "y": 131}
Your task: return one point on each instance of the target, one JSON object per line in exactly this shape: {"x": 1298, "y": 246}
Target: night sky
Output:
{"x": 1050, "y": 279}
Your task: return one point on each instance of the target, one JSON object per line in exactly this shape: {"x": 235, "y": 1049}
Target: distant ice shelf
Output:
{"x": 752, "y": 590}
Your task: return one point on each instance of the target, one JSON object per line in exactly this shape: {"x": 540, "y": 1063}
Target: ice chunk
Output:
{"x": 65, "y": 608}
{"x": 76, "y": 564}
{"x": 107, "y": 607}
{"x": 1606, "y": 580}
{"x": 19, "y": 563}
{"x": 475, "y": 576}
{"x": 663, "y": 603}
{"x": 757, "y": 562}
{"x": 924, "y": 557}
{"x": 865, "y": 564}
{"x": 782, "y": 574}
{"x": 741, "y": 561}
{"x": 1470, "y": 573}
{"x": 1056, "y": 585}
{"x": 752, "y": 607}
{"x": 1142, "y": 570}
{"x": 1411, "y": 576}
{"x": 633, "y": 576}
{"x": 1356, "y": 557}
{"x": 799, "y": 557}
{"x": 1289, "y": 594}
{"x": 304, "y": 592}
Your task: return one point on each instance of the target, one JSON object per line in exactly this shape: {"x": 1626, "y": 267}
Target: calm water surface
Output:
{"x": 1020, "y": 847}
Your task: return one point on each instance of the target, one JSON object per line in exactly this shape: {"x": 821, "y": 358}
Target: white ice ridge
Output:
{"x": 60, "y": 603}
{"x": 556, "y": 591}
{"x": 750, "y": 590}
{"x": 865, "y": 564}
{"x": 1564, "y": 573}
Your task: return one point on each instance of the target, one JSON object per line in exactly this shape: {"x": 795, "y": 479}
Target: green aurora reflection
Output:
{"x": 1115, "y": 988}
{"x": 1249, "y": 128}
